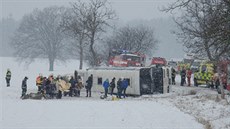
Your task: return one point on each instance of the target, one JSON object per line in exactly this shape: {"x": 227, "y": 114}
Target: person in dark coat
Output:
{"x": 73, "y": 83}
{"x": 24, "y": 86}
{"x": 119, "y": 88}
{"x": 52, "y": 86}
{"x": 112, "y": 85}
{"x": 89, "y": 85}
{"x": 75, "y": 74}
{"x": 173, "y": 76}
{"x": 124, "y": 86}
{"x": 48, "y": 87}
{"x": 183, "y": 75}
{"x": 106, "y": 87}
{"x": 8, "y": 77}
{"x": 43, "y": 88}
{"x": 79, "y": 86}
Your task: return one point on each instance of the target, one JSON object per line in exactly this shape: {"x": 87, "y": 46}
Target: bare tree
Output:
{"x": 137, "y": 39}
{"x": 75, "y": 26}
{"x": 204, "y": 27}
{"x": 39, "y": 36}
{"x": 97, "y": 14}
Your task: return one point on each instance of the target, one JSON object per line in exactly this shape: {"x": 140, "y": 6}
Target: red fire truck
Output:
{"x": 158, "y": 61}
{"x": 123, "y": 58}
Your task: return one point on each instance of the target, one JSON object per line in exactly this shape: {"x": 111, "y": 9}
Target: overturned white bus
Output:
{"x": 142, "y": 80}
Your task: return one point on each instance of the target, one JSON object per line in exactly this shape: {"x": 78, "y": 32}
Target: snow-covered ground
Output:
{"x": 177, "y": 110}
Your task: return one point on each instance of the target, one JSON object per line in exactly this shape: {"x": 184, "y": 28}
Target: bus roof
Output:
{"x": 117, "y": 68}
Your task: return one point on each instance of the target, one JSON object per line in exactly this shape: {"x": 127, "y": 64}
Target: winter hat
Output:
{"x": 26, "y": 77}
{"x": 107, "y": 80}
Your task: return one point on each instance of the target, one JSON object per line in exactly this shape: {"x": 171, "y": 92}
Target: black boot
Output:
{"x": 86, "y": 94}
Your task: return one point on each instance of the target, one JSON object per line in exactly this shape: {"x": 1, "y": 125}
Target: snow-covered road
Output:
{"x": 177, "y": 110}
{"x": 91, "y": 113}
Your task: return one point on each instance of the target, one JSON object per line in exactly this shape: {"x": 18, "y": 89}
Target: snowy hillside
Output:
{"x": 177, "y": 110}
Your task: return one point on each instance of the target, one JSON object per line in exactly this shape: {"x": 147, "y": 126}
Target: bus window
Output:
{"x": 99, "y": 80}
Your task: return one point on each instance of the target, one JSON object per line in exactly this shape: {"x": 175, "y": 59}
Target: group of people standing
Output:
{"x": 122, "y": 85}
{"x": 186, "y": 74}
{"x": 51, "y": 86}
{"x": 46, "y": 86}
{"x": 215, "y": 81}
{"x": 219, "y": 79}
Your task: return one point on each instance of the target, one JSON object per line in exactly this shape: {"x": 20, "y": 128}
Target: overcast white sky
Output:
{"x": 127, "y": 10}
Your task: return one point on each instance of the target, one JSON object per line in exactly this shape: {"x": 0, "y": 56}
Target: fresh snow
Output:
{"x": 177, "y": 110}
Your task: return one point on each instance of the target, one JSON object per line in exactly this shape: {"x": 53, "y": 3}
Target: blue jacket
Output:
{"x": 73, "y": 82}
{"x": 124, "y": 84}
{"x": 106, "y": 84}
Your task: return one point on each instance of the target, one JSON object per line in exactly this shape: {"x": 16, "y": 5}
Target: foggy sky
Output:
{"x": 127, "y": 10}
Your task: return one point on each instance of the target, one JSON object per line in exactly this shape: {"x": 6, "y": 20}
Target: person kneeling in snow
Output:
{"x": 24, "y": 86}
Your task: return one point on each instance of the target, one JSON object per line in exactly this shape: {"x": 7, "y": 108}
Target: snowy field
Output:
{"x": 177, "y": 110}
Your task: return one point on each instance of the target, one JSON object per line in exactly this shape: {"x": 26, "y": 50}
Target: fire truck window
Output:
{"x": 99, "y": 80}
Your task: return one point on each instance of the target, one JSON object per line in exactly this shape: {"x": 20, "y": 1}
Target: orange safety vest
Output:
{"x": 39, "y": 81}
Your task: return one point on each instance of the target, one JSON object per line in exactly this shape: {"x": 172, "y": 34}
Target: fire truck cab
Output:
{"x": 127, "y": 60}
{"x": 158, "y": 61}
{"x": 123, "y": 58}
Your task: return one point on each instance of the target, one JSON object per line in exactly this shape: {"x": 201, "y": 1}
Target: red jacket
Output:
{"x": 189, "y": 73}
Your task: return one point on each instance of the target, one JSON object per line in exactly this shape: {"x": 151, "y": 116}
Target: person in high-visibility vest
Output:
{"x": 8, "y": 77}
